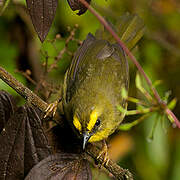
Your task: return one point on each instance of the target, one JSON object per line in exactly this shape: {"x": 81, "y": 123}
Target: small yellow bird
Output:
{"x": 94, "y": 81}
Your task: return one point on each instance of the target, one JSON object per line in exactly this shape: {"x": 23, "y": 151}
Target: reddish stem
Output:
{"x": 133, "y": 59}
{"x": 176, "y": 121}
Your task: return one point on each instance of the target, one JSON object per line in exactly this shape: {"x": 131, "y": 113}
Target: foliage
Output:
{"x": 158, "y": 53}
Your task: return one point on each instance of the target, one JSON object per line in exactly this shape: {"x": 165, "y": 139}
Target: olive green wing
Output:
{"x": 87, "y": 56}
{"x": 70, "y": 82}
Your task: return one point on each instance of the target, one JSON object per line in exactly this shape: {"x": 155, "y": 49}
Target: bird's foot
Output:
{"x": 104, "y": 154}
{"x": 51, "y": 109}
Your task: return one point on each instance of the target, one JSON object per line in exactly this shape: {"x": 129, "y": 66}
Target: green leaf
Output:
{"x": 128, "y": 126}
{"x": 139, "y": 86}
{"x": 172, "y": 104}
{"x": 124, "y": 93}
{"x": 138, "y": 81}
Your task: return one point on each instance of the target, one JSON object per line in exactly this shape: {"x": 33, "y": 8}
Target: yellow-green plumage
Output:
{"x": 95, "y": 78}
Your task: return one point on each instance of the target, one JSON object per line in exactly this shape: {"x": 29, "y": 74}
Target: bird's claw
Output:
{"x": 51, "y": 109}
{"x": 104, "y": 154}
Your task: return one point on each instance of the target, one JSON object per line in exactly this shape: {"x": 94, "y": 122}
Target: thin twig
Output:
{"x": 133, "y": 59}
{"x": 27, "y": 76}
{"x": 65, "y": 49}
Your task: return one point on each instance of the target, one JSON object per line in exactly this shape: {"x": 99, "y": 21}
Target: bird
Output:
{"x": 95, "y": 79}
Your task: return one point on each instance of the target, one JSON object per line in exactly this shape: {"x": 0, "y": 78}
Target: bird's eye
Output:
{"x": 98, "y": 122}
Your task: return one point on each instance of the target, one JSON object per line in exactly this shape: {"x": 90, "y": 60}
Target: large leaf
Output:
{"x": 61, "y": 166}
{"x": 42, "y": 13}
{"x": 23, "y": 144}
{"x": 24, "y": 148}
{"x": 36, "y": 143}
{"x": 76, "y": 5}
{"x": 12, "y": 147}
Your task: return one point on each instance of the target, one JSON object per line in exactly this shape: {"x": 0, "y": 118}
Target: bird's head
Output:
{"x": 94, "y": 122}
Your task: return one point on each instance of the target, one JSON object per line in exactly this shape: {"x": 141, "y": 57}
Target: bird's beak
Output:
{"x": 86, "y": 136}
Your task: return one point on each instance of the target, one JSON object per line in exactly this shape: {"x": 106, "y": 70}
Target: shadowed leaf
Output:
{"x": 12, "y": 147}
{"x": 42, "y": 13}
{"x": 23, "y": 144}
{"x": 7, "y": 108}
{"x": 36, "y": 143}
{"x": 76, "y": 5}
{"x": 61, "y": 166}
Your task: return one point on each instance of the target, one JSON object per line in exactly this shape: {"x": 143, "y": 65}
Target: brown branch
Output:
{"x": 33, "y": 99}
{"x": 65, "y": 49}
{"x": 22, "y": 90}
{"x": 112, "y": 167}
{"x": 133, "y": 59}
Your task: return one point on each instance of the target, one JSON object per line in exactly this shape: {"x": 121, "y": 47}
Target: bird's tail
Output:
{"x": 130, "y": 29}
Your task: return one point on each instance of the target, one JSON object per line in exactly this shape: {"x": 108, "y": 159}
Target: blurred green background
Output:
{"x": 158, "y": 53}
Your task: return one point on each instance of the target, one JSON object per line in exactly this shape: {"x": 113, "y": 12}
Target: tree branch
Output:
{"x": 133, "y": 59}
{"x": 32, "y": 98}
{"x": 23, "y": 90}
{"x": 112, "y": 167}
